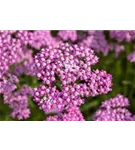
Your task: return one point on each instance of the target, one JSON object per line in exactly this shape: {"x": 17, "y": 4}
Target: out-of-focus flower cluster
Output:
{"x": 17, "y": 100}
{"x": 131, "y": 57}
{"x": 62, "y": 62}
{"x": 114, "y": 110}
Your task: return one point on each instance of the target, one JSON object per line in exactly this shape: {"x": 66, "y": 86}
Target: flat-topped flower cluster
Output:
{"x": 67, "y": 77}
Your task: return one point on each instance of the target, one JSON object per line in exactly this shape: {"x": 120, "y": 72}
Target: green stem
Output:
{"x": 133, "y": 86}
{"x": 89, "y": 105}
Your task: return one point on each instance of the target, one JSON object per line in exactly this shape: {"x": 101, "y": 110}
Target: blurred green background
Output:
{"x": 123, "y": 73}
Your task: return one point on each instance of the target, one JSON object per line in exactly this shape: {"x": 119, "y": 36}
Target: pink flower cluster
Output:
{"x": 97, "y": 41}
{"x": 121, "y": 35}
{"x": 13, "y": 50}
{"x": 9, "y": 50}
{"x": 131, "y": 57}
{"x": 67, "y": 77}
{"x": 66, "y": 35}
{"x": 114, "y": 110}
{"x": 17, "y": 100}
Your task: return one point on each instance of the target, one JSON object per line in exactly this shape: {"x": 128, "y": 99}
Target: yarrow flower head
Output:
{"x": 67, "y": 77}
{"x": 66, "y": 35}
{"x": 131, "y": 57}
{"x": 18, "y": 102}
{"x": 114, "y": 110}
{"x": 9, "y": 49}
{"x": 123, "y": 35}
{"x": 97, "y": 41}
{"x": 13, "y": 50}
{"x": 16, "y": 99}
